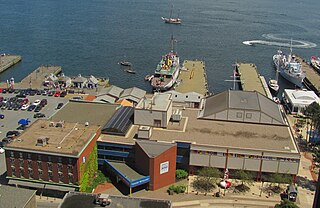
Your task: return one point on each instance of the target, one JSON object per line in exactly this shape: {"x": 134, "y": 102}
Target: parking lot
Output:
{"x": 11, "y": 117}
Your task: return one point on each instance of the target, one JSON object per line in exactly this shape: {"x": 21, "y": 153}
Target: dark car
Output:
{"x": 59, "y": 105}
{"x": 4, "y": 90}
{"x": 12, "y": 134}
{"x": 38, "y": 108}
{"x": 10, "y": 106}
{"x": 10, "y": 90}
{"x": 17, "y": 106}
{"x": 1, "y": 116}
{"x": 63, "y": 94}
{"x": 21, "y": 95}
{"x": 1, "y": 99}
{"x": 32, "y": 92}
{"x": 43, "y": 102}
{"x": 16, "y": 91}
{"x": 31, "y": 107}
{"x": 38, "y": 92}
{"x": 22, "y": 127}
{"x": 6, "y": 141}
{"x": 39, "y": 115}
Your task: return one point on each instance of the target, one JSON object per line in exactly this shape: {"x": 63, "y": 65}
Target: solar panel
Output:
{"x": 120, "y": 122}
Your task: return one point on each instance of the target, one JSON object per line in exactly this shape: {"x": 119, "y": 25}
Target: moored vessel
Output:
{"x": 315, "y": 63}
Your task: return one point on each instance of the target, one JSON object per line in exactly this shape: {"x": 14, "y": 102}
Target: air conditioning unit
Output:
{"x": 42, "y": 141}
{"x": 144, "y": 132}
{"x": 176, "y": 115}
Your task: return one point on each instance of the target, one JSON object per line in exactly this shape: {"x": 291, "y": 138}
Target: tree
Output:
{"x": 246, "y": 180}
{"x": 285, "y": 203}
{"x": 278, "y": 178}
{"x": 313, "y": 112}
{"x": 206, "y": 179}
{"x": 181, "y": 174}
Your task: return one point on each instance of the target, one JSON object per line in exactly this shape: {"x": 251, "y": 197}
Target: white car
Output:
{"x": 1, "y": 150}
{"x": 36, "y": 102}
{"x": 25, "y": 107}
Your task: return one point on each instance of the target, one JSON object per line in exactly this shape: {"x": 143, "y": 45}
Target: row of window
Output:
{"x": 40, "y": 165}
{"x": 222, "y": 154}
{"x": 120, "y": 149}
{"x": 48, "y": 158}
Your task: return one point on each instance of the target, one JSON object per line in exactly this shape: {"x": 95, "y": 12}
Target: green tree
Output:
{"x": 206, "y": 179}
{"x": 313, "y": 113}
{"x": 278, "y": 178}
{"x": 246, "y": 180}
{"x": 285, "y": 203}
{"x": 181, "y": 174}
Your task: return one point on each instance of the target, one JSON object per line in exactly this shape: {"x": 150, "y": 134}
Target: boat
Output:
{"x": 289, "y": 68}
{"x": 315, "y": 63}
{"x": 171, "y": 20}
{"x": 130, "y": 70}
{"x": 167, "y": 71}
{"x": 273, "y": 83}
{"x": 125, "y": 63}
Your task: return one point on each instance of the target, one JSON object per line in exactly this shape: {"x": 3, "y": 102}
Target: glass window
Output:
{"x": 70, "y": 178}
{"x": 13, "y": 170}
{"x": 39, "y": 157}
{"x": 49, "y": 159}
{"x": 39, "y": 163}
{"x": 49, "y": 166}
{"x": 12, "y": 161}
{"x": 40, "y": 174}
{"x": 20, "y": 154}
{"x": 59, "y": 159}
{"x": 29, "y": 156}
{"x": 60, "y": 167}
{"x": 60, "y": 177}
{"x": 30, "y": 171}
{"x": 50, "y": 174}
{"x": 30, "y": 164}
{"x": 21, "y": 163}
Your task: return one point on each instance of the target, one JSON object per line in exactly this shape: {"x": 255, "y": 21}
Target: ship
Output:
{"x": 167, "y": 71}
{"x": 315, "y": 63}
{"x": 289, "y": 68}
{"x": 171, "y": 20}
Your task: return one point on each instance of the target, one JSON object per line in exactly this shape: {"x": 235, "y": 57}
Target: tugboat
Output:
{"x": 167, "y": 71}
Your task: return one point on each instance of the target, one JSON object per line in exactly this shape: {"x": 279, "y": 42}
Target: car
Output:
{"x": 12, "y": 133}
{"x": 36, "y": 102}
{"x": 25, "y": 107}
{"x": 51, "y": 93}
{"x": 39, "y": 115}
{"x": 77, "y": 98}
{"x": 1, "y": 99}
{"x": 57, "y": 94}
{"x": 38, "y": 108}
{"x": 22, "y": 127}
{"x": 38, "y": 92}
{"x": 6, "y": 141}
{"x": 16, "y": 91}
{"x": 63, "y": 94}
{"x": 1, "y": 150}
{"x": 45, "y": 92}
{"x": 17, "y": 106}
{"x": 1, "y": 116}
{"x": 10, "y": 106}
{"x": 59, "y": 105}
{"x": 21, "y": 95}
{"x": 10, "y": 90}
{"x": 4, "y": 90}
{"x": 44, "y": 102}
{"x": 31, "y": 107}
{"x": 25, "y": 101}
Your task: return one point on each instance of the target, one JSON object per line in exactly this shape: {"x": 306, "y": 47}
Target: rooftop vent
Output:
{"x": 42, "y": 141}
{"x": 86, "y": 123}
{"x": 51, "y": 124}
{"x": 144, "y": 132}
{"x": 60, "y": 124}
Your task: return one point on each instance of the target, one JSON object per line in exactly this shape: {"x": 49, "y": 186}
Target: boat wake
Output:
{"x": 272, "y": 40}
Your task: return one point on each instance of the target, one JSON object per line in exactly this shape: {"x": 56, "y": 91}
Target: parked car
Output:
{"x": 12, "y": 134}
{"x": 57, "y": 94}
{"x": 45, "y": 92}
{"x": 63, "y": 94}
{"x": 39, "y": 115}
{"x": 51, "y": 93}
{"x": 77, "y": 98}
{"x": 43, "y": 102}
{"x": 32, "y": 107}
{"x": 10, "y": 90}
{"x": 36, "y": 102}
{"x": 17, "y": 106}
{"x": 4, "y": 90}
{"x": 16, "y": 91}
{"x": 1, "y": 116}
{"x": 1, "y": 99}
{"x": 38, "y": 108}
{"x": 21, "y": 95}
{"x": 25, "y": 101}
{"x": 22, "y": 127}
{"x": 38, "y": 92}
{"x": 25, "y": 107}
{"x": 59, "y": 105}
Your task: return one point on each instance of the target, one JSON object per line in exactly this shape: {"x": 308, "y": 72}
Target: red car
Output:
{"x": 25, "y": 101}
{"x": 57, "y": 94}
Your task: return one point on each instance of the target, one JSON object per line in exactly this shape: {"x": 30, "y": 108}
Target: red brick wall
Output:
{"x": 158, "y": 180}
{"x": 85, "y": 153}
{"x": 141, "y": 160}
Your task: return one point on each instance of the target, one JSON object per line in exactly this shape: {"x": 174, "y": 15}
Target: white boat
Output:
{"x": 289, "y": 68}
{"x": 125, "y": 63}
{"x": 315, "y": 63}
{"x": 171, "y": 20}
{"x": 167, "y": 71}
{"x": 273, "y": 83}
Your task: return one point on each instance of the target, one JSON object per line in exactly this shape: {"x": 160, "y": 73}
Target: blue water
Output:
{"x": 91, "y": 37}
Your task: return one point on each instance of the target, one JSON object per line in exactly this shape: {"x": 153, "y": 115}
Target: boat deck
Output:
{"x": 193, "y": 78}
{"x": 312, "y": 80}
{"x": 251, "y": 80}
{"x": 6, "y": 61}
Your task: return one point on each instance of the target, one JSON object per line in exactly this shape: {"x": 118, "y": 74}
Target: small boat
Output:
{"x": 125, "y": 63}
{"x": 148, "y": 77}
{"x": 276, "y": 100}
{"x": 273, "y": 83}
{"x": 315, "y": 63}
{"x": 130, "y": 70}
{"x": 171, "y": 20}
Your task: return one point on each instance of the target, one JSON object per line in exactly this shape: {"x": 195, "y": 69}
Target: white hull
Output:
{"x": 273, "y": 85}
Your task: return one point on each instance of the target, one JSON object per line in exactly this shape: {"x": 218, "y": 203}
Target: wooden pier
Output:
{"x": 6, "y": 61}
{"x": 251, "y": 80}
{"x": 193, "y": 78}
{"x": 312, "y": 80}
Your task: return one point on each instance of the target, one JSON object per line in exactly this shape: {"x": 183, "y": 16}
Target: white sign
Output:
{"x": 164, "y": 167}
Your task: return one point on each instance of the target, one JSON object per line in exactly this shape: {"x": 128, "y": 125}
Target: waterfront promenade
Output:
{"x": 6, "y": 61}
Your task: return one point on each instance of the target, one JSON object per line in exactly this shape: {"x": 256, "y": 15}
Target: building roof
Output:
{"x": 80, "y": 79}
{"x": 241, "y": 100}
{"x": 85, "y": 200}
{"x": 276, "y": 138}
{"x": 120, "y": 122}
{"x": 84, "y": 111}
{"x": 106, "y": 99}
{"x": 153, "y": 148}
{"x": 301, "y": 97}
{"x": 70, "y": 139}
{"x": 134, "y": 94}
{"x": 159, "y": 102}
{"x": 15, "y": 197}
{"x": 114, "y": 91}
{"x": 124, "y": 102}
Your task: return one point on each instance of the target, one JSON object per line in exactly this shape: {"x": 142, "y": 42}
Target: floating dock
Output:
{"x": 193, "y": 78}
{"x": 251, "y": 80}
{"x": 6, "y": 61}
{"x": 312, "y": 80}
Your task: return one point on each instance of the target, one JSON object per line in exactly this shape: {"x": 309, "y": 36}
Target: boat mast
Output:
{"x": 277, "y": 72}
{"x": 171, "y": 11}
{"x": 172, "y": 44}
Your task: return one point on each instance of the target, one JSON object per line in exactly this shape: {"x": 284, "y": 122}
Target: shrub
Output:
{"x": 203, "y": 185}
{"x": 177, "y": 189}
{"x": 181, "y": 174}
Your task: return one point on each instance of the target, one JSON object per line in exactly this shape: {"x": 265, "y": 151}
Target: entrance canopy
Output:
{"x": 127, "y": 175}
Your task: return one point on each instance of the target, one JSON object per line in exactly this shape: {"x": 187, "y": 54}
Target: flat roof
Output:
{"x": 83, "y": 111}
{"x": 126, "y": 170}
{"x": 69, "y": 139}
{"x": 301, "y": 97}
{"x": 15, "y": 197}
{"x": 219, "y": 133}
{"x": 159, "y": 101}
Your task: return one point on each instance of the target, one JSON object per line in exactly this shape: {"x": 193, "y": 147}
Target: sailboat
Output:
{"x": 171, "y": 20}
{"x": 273, "y": 83}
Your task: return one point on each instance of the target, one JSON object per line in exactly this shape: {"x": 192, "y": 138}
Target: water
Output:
{"x": 91, "y": 37}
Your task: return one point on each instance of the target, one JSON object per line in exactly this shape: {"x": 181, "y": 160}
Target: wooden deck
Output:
{"x": 193, "y": 78}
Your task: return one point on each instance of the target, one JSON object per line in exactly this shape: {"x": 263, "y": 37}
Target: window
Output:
{"x": 49, "y": 159}
{"x": 70, "y": 161}
{"x": 239, "y": 114}
{"x": 157, "y": 123}
{"x": 30, "y": 164}
{"x": 20, "y": 154}
{"x": 40, "y": 174}
{"x": 249, "y": 115}
{"x": 39, "y": 163}
{"x": 60, "y": 167}
{"x": 11, "y": 154}
{"x": 49, "y": 166}
{"x": 21, "y": 163}
{"x": 50, "y": 174}
{"x": 60, "y": 177}
{"x": 70, "y": 168}
{"x": 21, "y": 172}
{"x": 30, "y": 171}
{"x": 175, "y": 95}
{"x": 39, "y": 157}
{"x": 70, "y": 178}
{"x": 13, "y": 170}
{"x": 187, "y": 96}
{"x": 59, "y": 159}
{"x": 12, "y": 162}
{"x": 29, "y": 156}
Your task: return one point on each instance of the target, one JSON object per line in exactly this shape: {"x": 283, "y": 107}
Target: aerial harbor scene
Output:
{"x": 159, "y": 104}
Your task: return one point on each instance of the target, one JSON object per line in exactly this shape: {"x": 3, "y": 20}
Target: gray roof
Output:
{"x": 82, "y": 111}
{"x": 79, "y": 78}
{"x": 241, "y": 100}
{"x": 106, "y": 98}
{"x": 134, "y": 94}
{"x": 15, "y": 197}
{"x": 112, "y": 90}
{"x": 153, "y": 148}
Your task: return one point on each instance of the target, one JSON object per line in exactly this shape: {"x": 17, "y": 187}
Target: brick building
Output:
{"x": 49, "y": 155}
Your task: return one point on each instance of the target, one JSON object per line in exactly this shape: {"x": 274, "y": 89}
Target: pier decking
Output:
{"x": 251, "y": 80}
{"x": 312, "y": 80}
{"x": 6, "y": 61}
{"x": 193, "y": 78}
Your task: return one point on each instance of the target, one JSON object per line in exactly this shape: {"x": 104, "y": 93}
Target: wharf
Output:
{"x": 6, "y": 61}
{"x": 251, "y": 80}
{"x": 193, "y": 78}
{"x": 312, "y": 80}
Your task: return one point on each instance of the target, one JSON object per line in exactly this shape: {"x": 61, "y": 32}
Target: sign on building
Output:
{"x": 164, "y": 167}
